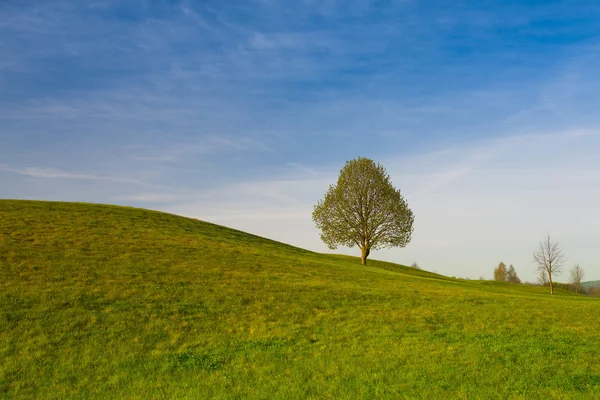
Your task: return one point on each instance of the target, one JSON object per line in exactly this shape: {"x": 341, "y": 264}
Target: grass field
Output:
{"x": 112, "y": 302}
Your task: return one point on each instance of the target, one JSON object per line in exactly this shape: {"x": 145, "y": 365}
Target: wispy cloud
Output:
{"x": 207, "y": 146}
{"x": 52, "y": 173}
{"x": 302, "y": 168}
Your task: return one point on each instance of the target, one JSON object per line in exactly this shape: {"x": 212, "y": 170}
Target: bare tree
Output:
{"x": 577, "y": 275}
{"x": 415, "y": 265}
{"x": 542, "y": 277}
{"x": 549, "y": 259}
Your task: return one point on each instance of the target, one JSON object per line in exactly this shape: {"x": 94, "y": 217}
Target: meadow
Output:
{"x": 113, "y": 302}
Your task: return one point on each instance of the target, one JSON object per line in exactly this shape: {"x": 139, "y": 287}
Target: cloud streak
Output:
{"x": 53, "y": 173}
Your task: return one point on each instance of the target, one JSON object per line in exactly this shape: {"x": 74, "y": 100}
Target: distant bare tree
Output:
{"x": 415, "y": 266}
{"x": 500, "y": 272}
{"x": 577, "y": 275}
{"x": 549, "y": 259}
{"x": 542, "y": 278}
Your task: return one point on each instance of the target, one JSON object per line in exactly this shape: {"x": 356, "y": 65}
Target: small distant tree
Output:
{"x": 363, "y": 209}
{"x": 511, "y": 275}
{"x": 500, "y": 272}
{"x": 549, "y": 259}
{"x": 542, "y": 278}
{"x": 415, "y": 265}
{"x": 576, "y": 276}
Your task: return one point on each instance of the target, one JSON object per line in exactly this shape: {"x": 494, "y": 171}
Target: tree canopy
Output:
{"x": 363, "y": 209}
{"x": 511, "y": 275}
{"x": 500, "y": 272}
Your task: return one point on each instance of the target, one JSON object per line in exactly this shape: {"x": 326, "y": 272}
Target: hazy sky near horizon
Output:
{"x": 486, "y": 115}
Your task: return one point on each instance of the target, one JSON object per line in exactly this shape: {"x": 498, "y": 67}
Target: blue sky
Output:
{"x": 485, "y": 113}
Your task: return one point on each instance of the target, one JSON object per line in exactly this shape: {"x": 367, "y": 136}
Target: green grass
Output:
{"x": 112, "y": 302}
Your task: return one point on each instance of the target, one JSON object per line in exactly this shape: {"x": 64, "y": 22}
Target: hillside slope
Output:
{"x": 590, "y": 284}
{"x": 109, "y": 302}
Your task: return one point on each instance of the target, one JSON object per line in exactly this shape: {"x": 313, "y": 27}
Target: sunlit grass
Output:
{"x": 112, "y": 302}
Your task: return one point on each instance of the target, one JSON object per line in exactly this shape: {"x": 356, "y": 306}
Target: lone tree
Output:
{"x": 500, "y": 272}
{"x": 549, "y": 259}
{"x": 511, "y": 275}
{"x": 577, "y": 275}
{"x": 364, "y": 209}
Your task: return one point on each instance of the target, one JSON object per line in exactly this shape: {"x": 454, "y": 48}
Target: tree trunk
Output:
{"x": 365, "y": 253}
{"x": 551, "y": 286}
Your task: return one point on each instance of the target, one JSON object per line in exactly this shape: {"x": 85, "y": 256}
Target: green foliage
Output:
{"x": 561, "y": 285}
{"x": 363, "y": 209}
{"x": 112, "y": 302}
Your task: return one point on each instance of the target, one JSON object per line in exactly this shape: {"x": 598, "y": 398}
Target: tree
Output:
{"x": 511, "y": 275}
{"x": 500, "y": 272}
{"x": 364, "y": 209}
{"x": 542, "y": 277}
{"x": 577, "y": 275}
{"x": 549, "y": 259}
{"x": 415, "y": 265}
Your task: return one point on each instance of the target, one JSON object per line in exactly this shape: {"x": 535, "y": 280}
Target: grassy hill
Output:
{"x": 113, "y": 302}
{"x": 590, "y": 284}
